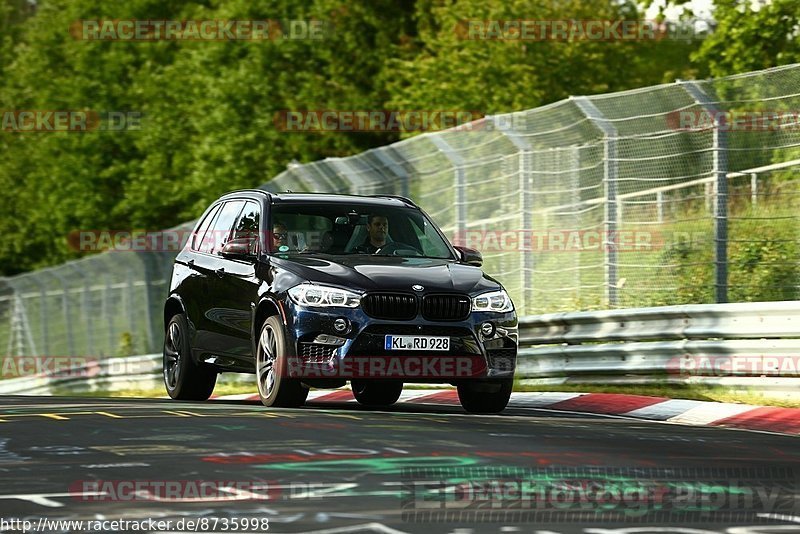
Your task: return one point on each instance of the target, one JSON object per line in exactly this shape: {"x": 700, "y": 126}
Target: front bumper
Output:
{"x": 359, "y": 352}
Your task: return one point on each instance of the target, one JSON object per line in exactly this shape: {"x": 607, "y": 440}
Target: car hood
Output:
{"x": 388, "y": 273}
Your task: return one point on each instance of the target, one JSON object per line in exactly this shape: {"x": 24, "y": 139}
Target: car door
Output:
{"x": 192, "y": 282}
{"x": 237, "y": 290}
{"x": 210, "y": 265}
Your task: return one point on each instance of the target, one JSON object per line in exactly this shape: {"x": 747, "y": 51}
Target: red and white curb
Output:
{"x": 689, "y": 412}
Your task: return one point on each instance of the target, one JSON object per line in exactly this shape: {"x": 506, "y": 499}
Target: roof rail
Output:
{"x": 397, "y": 197}
{"x": 262, "y": 191}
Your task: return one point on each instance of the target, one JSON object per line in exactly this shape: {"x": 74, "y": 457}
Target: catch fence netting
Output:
{"x": 680, "y": 193}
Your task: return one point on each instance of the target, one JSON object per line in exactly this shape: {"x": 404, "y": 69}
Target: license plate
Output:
{"x": 417, "y": 343}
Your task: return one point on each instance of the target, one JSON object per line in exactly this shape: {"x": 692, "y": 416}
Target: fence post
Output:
{"x": 19, "y": 328}
{"x": 85, "y": 312}
{"x": 43, "y": 316}
{"x": 754, "y": 189}
{"x": 303, "y": 178}
{"x": 720, "y": 170}
{"x": 131, "y": 298}
{"x": 16, "y": 331}
{"x": 660, "y": 206}
{"x": 400, "y": 173}
{"x": 65, "y": 309}
{"x": 459, "y": 179}
{"x": 153, "y": 298}
{"x": 357, "y": 184}
{"x": 106, "y": 312}
{"x": 610, "y": 171}
{"x": 525, "y": 164}
{"x": 575, "y": 183}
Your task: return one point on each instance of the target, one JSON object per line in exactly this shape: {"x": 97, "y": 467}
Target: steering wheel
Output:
{"x": 394, "y": 247}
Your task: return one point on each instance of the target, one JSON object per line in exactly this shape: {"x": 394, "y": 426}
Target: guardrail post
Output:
{"x": 459, "y": 179}
{"x": 754, "y": 189}
{"x": 610, "y": 170}
{"x": 525, "y": 162}
{"x": 720, "y": 170}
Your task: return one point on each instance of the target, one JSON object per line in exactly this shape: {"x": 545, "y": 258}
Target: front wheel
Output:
{"x": 479, "y": 396}
{"x": 275, "y": 388}
{"x": 184, "y": 379}
{"x": 376, "y": 392}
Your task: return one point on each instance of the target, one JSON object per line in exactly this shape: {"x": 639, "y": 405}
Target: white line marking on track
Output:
{"x": 781, "y": 517}
{"x": 703, "y": 415}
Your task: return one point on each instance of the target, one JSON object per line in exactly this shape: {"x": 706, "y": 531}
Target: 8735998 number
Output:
{"x": 227, "y": 524}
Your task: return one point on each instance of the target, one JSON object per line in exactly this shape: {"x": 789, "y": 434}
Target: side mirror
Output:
{"x": 241, "y": 248}
{"x": 470, "y": 256}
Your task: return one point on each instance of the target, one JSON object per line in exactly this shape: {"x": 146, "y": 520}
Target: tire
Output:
{"x": 184, "y": 379}
{"x": 376, "y": 392}
{"x": 275, "y": 388}
{"x": 484, "y": 396}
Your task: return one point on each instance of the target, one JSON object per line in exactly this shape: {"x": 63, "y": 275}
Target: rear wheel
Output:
{"x": 480, "y": 396}
{"x": 275, "y": 387}
{"x": 376, "y": 392}
{"x": 184, "y": 379}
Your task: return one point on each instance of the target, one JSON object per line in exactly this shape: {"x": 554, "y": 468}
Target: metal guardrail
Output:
{"x": 752, "y": 339}
{"x": 746, "y": 320}
{"x": 628, "y": 346}
{"x": 105, "y": 375}
{"x": 112, "y": 374}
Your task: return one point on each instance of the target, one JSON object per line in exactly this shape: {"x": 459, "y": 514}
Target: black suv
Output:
{"x": 315, "y": 290}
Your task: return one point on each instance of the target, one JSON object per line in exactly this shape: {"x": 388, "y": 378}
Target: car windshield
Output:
{"x": 355, "y": 229}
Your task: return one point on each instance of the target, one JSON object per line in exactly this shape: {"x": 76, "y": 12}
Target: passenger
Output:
{"x": 280, "y": 235}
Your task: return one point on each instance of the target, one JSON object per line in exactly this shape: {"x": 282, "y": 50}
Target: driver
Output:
{"x": 377, "y": 231}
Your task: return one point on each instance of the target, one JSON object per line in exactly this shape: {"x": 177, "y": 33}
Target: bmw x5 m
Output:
{"x": 317, "y": 290}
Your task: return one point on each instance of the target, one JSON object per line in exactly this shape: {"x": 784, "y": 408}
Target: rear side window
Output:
{"x": 197, "y": 238}
{"x": 247, "y": 225}
{"x": 220, "y": 230}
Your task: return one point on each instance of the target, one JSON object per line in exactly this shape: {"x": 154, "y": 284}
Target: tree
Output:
{"x": 494, "y": 76}
{"x": 751, "y": 36}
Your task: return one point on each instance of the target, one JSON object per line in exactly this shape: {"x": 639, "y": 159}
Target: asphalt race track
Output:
{"x": 338, "y": 467}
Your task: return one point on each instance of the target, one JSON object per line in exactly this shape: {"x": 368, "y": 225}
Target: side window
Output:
{"x": 246, "y": 226}
{"x": 197, "y": 238}
{"x": 429, "y": 242}
{"x": 220, "y": 231}
{"x": 421, "y": 229}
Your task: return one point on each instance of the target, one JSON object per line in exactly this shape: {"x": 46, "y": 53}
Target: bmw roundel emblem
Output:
{"x": 417, "y": 287}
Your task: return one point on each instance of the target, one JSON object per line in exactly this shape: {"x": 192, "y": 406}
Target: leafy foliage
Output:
{"x": 209, "y": 107}
{"x": 751, "y": 36}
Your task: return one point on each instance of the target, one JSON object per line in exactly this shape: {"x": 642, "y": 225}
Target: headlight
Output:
{"x": 323, "y": 296}
{"x": 496, "y": 301}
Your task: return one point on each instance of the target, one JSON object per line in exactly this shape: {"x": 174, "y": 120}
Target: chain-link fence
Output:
{"x": 680, "y": 193}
